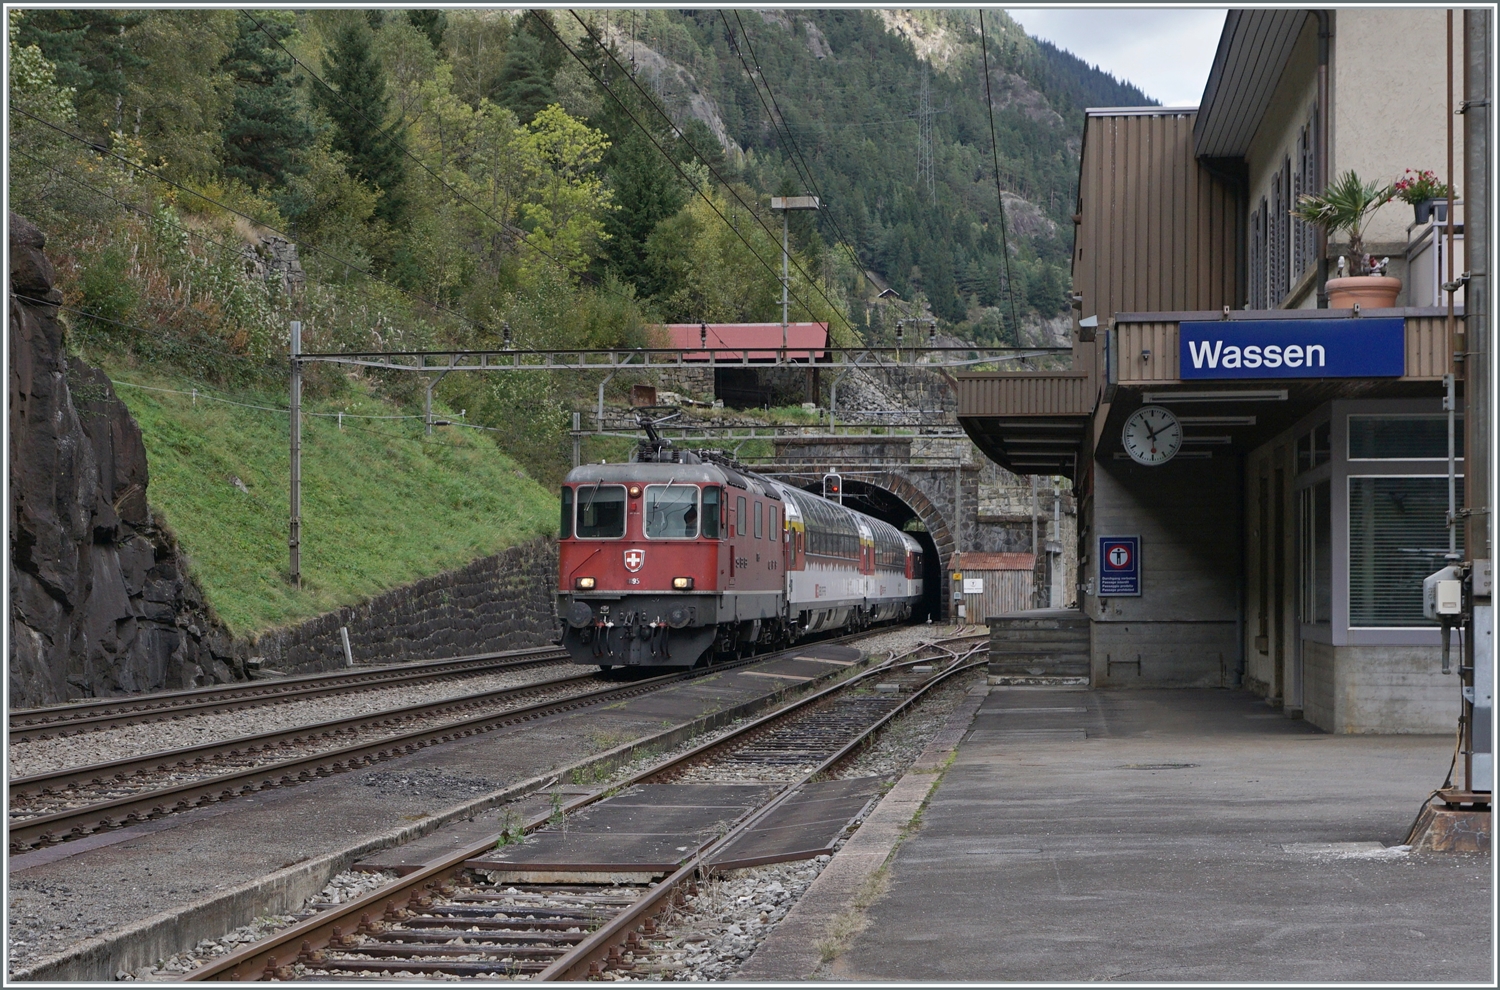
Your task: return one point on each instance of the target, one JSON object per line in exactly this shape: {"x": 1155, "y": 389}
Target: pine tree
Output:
{"x": 267, "y": 128}
{"x": 432, "y": 23}
{"x": 375, "y": 151}
{"x": 93, "y": 54}
{"x": 525, "y": 85}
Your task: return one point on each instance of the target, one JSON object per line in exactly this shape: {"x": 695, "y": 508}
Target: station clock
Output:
{"x": 1152, "y": 436}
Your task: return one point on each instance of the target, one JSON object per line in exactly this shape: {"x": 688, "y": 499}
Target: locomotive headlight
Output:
{"x": 584, "y": 584}
{"x": 635, "y": 491}
{"x": 683, "y": 584}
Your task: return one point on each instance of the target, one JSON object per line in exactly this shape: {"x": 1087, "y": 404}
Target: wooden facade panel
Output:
{"x": 1428, "y": 353}
{"x": 1023, "y": 395}
{"x": 1157, "y": 232}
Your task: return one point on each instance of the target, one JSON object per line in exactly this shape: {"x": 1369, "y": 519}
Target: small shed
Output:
{"x": 986, "y": 584}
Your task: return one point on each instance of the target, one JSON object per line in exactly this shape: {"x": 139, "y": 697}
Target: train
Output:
{"x": 678, "y": 558}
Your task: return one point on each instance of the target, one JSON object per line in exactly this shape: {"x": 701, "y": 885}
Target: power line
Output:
{"x": 989, "y": 102}
{"x": 504, "y": 225}
{"x": 672, "y": 161}
{"x": 229, "y": 209}
{"x": 681, "y": 137}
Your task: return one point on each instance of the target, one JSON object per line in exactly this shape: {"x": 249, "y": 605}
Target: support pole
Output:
{"x": 577, "y": 439}
{"x": 599, "y": 415}
{"x": 785, "y": 255}
{"x": 294, "y": 529}
{"x": 1478, "y": 168}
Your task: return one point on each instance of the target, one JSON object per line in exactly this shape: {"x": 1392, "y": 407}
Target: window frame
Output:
{"x": 645, "y": 510}
{"x": 624, "y": 515}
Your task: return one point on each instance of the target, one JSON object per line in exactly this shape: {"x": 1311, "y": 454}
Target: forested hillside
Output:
{"x": 471, "y": 178}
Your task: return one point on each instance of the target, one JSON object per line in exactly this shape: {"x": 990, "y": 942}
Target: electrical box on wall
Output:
{"x": 1442, "y": 593}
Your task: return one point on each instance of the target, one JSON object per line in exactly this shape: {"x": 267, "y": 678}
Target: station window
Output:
{"x": 711, "y": 513}
{"x": 1316, "y": 544}
{"x": 1403, "y": 438}
{"x": 601, "y": 512}
{"x": 760, "y": 531}
{"x": 1313, "y": 448}
{"x": 671, "y": 511}
{"x": 1398, "y": 534}
{"x": 565, "y": 528}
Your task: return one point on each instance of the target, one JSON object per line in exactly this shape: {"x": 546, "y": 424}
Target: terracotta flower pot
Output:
{"x": 1369, "y": 291}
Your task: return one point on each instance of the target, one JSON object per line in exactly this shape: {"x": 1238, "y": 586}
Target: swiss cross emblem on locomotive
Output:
{"x": 634, "y": 560}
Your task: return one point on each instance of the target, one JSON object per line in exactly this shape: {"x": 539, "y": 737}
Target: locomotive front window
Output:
{"x": 601, "y": 512}
{"x": 711, "y": 513}
{"x": 566, "y": 528}
{"x": 671, "y": 512}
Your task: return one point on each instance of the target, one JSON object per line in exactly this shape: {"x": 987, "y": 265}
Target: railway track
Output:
{"x": 455, "y": 918}
{"x": 72, "y": 803}
{"x": 87, "y": 716}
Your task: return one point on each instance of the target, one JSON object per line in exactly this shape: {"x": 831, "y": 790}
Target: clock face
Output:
{"x": 1152, "y": 436}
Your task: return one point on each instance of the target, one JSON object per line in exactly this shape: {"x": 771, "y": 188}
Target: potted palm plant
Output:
{"x": 1344, "y": 207}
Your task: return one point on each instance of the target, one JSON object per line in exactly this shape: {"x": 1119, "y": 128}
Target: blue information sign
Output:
{"x": 1358, "y": 348}
{"x": 1119, "y": 566}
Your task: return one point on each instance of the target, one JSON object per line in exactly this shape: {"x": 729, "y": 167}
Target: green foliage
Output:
{"x": 266, "y": 131}
{"x": 380, "y": 508}
{"x": 1342, "y": 209}
{"x": 358, "y": 107}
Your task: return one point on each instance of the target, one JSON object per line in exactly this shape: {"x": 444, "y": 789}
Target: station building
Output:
{"x": 1283, "y": 548}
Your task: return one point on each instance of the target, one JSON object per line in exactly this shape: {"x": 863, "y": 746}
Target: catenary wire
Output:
{"x": 989, "y": 102}
{"x": 713, "y": 171}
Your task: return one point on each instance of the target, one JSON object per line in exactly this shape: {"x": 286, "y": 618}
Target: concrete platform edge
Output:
{"x": 792, "y": 952}
{"x": 151, "y": 939}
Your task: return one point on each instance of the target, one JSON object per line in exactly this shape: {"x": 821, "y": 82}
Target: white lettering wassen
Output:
{"x": 1253, "y": 356}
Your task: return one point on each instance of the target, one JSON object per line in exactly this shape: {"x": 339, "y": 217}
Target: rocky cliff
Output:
{"x": 100, "y": 600}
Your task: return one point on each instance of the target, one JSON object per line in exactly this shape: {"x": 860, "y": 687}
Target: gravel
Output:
{"x": 718, "y": 928}
{"x": 32, "y": 756}
{"x": 344, "y": 887}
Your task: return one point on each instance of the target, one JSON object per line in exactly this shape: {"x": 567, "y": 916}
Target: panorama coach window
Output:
{"x": 1404, "y": 438}
{"x": 711, "y": 513}
{"x": 1398, "y": 534}
{"x": 601, "y": 512}
{"x": 671, "y": 512}
{"x": 565, "y": 529}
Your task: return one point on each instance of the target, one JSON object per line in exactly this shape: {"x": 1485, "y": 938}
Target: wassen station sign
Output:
{"x": 1355, "y": 348}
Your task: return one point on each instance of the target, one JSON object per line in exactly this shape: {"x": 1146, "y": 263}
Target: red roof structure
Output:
{"x": 972, "y": 561}
{"x": 754, "y": 341}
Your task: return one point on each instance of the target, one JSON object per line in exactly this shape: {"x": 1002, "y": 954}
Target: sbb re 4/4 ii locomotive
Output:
{"x": 679, "y": 556}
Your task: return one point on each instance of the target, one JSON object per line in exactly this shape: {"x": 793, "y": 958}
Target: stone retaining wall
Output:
{"x": 501, "y": 602}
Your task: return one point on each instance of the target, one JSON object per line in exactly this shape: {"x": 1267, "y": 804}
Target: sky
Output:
{"x": 1167, "y": 53}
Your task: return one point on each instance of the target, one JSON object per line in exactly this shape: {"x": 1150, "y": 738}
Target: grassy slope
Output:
{"x": 377, "y": 511}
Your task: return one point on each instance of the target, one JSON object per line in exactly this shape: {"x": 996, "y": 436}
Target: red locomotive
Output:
{"x": 679, "y": 555}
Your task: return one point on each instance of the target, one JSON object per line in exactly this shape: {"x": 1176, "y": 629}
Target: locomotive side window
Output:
{"x": 601, "y": 512}
{"x": 741, "y": 521}
{"x": 565, "y": 529}
{"x": 711, "y": 513}
{"x": 671, "y": 512}
{"x": 760, "y": 531}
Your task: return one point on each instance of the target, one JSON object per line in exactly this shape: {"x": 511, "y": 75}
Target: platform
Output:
{"x": 1179, "y": 835}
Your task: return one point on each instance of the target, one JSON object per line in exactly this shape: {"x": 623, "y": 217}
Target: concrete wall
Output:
{"x": 1377, "y": 689}
{"x": 501, "y": 602}
{"x": 1182, "y": 626}
{"x": 1389, "y": 97}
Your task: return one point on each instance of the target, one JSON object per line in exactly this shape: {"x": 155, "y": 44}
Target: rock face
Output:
{"x": 100, "y": 603}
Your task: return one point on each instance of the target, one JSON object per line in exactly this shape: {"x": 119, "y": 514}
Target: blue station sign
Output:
{"x": 1119, "y": 566}
{"x": 1353, "y": 348}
